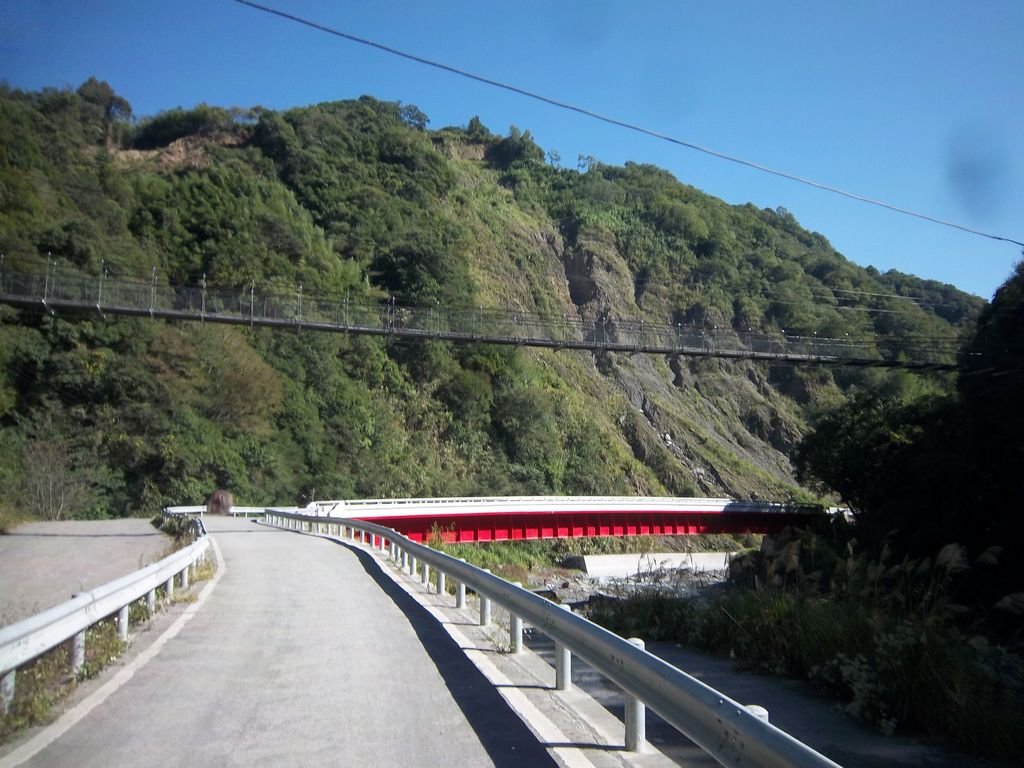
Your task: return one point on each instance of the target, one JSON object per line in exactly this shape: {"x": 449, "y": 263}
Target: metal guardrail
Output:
{"x": 728, "y": 731}
{"x": 27, "y": 639}
{"x": 197, "y": 511}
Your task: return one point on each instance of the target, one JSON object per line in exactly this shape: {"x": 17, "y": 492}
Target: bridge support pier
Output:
{"x": 563, "y": 663}
{"x": 636, "y": 716}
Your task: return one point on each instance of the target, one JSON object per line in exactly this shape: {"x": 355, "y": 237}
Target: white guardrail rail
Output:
{"x": 728, "y": 731}
{"x": 30, "y": 638}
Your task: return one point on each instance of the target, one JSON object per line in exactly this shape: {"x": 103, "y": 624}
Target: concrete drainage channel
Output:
{"x": 577, "y": 730}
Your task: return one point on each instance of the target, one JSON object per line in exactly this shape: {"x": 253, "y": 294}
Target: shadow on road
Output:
{"x": 508, "y": 742}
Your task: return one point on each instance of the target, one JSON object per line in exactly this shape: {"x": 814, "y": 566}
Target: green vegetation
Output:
{"x": 911, "y": 615}
{"x": 42, "y": 683}
{"x": 110, "y": 418}
{"x": 880, "y": 636}
{"x": 942, "y": 471}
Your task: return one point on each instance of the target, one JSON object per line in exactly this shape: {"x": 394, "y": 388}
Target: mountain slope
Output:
{"x": 359, "y": 199}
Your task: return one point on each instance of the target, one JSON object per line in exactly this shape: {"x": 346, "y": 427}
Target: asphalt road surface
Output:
{"x": 297, "y": 659}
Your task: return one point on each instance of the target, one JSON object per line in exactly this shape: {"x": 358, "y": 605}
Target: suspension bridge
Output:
{"x": 65, "y": 293}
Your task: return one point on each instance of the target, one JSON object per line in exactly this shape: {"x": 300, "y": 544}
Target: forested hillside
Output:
{"x": 359, "y": 198}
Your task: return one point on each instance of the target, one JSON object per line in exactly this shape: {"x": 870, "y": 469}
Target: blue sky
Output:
{"x": 915, "y": 103}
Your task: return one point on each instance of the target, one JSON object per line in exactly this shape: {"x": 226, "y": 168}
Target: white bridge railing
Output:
{"x": 28, "y": 639}
{"x": 728, "y": 731}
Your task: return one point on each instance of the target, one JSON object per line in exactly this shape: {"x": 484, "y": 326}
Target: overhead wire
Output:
{"x": 622, "y": 123}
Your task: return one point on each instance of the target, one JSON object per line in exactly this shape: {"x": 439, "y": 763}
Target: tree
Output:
{"x": 897, "y": 465}
{"x": 108, "y": 106}
{"x": 991, "y": 389}
{"x": 517, "y": 147}
{"x": 477, "y": 131}
{"x": 56, "y": 490}
{"x": 414, "y": 117}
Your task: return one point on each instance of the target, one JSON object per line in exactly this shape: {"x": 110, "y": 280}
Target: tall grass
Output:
{"x": 881, "y": 640}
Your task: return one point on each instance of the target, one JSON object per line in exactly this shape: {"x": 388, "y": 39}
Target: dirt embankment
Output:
{"x": 42, "y": 564}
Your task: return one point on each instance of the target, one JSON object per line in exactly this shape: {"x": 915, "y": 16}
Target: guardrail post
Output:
{"x": 169, "y": 588}
{"x": 441, "y": 586}
{"x": 563, "y": 662}
{"x": 515, "y": 628}
{"x": 460, "y": 591}
{"x": 7, "y": 684}
{"x": 485, "y": 607}
{"x": 426, "y": 576}
{"x": 758, "y": 711}
{"x": 412, "y": 566}
{"x": 183, "y": 578}
{"x": 122, "y": 624}
{"x": 77, "y": 653}
{"x": 636, "y": 715}
{"x": 151, "y": 601}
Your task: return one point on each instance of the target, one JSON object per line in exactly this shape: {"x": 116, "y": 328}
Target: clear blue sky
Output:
{"x": 916, "y": 102}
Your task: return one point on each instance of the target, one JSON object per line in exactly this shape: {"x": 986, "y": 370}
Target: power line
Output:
{"x": 622, "y": 123}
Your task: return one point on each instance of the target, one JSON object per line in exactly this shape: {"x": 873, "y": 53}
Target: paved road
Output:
{"x": 43, "y": 563}
{"x": 298, "y": 659}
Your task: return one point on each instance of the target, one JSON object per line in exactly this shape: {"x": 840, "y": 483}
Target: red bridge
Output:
{"x": 542, "y": 517}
